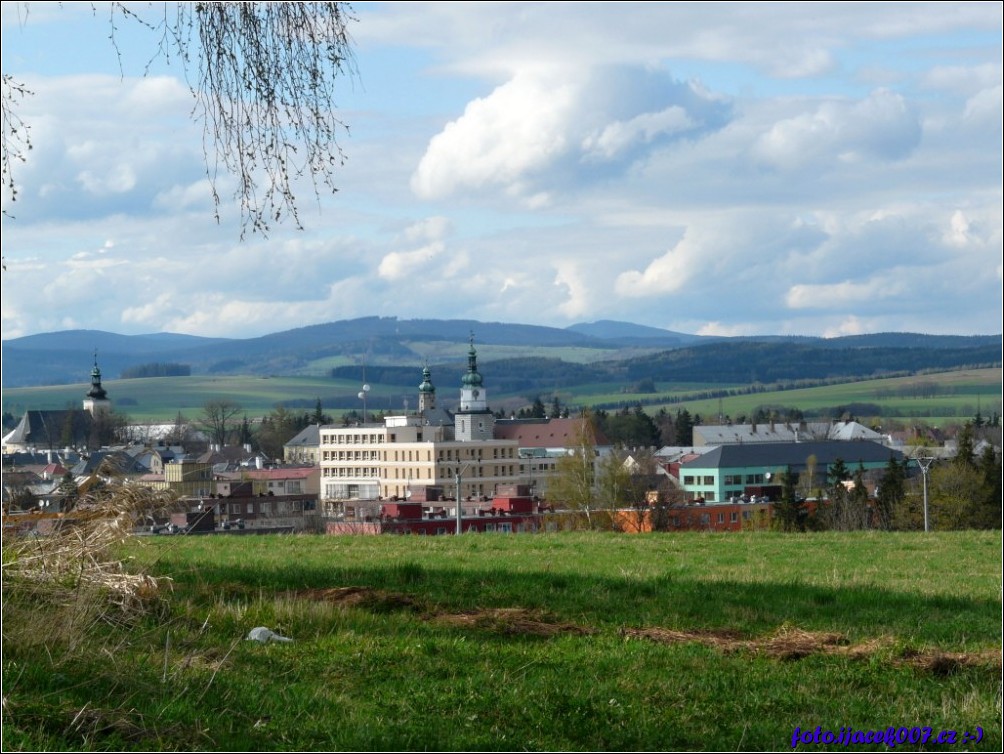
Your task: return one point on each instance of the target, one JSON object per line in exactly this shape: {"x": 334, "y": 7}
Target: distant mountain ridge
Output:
{"x": 66, "y": 357}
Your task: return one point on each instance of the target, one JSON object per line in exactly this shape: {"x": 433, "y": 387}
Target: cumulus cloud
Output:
{"x": 985, "y": 107}
{"x": 551, "y": 127}
{"x": 619, "y": 136}
{"x": 736, "y": 246}
{"x": 666, "y": 274}
{"x": 429, "y": 233}
{"x": 594, "y": 165}
{"x": 103, "y": 144}
{"x": 402, "y": 264}
{"x": 881, "y": 126}
{"x": 849, "y": 326}
{"x": 841, "y": 295}
{"x": 965, "y": 79}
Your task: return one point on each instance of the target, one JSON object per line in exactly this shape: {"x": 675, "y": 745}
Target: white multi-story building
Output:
{"x": 406, "y": 455}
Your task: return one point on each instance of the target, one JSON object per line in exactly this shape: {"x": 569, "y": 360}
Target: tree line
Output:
{"x": 963, "y": 493}
{"x": 156, "y": 369}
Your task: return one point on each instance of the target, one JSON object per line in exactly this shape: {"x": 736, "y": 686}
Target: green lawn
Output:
{"x": 571, "y": 641}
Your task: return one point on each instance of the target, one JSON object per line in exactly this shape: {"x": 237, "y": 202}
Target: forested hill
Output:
{"x": 603, "y": 351}
{"x": 746, "y": 361}
{"x": 723, "y": 363}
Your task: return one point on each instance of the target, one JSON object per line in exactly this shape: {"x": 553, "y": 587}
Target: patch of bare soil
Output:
{"x": 513, "y": 621}
{"x": 361, "y": 596}
{"x": 510, "y": 621}
{"x": 788, "y": 643}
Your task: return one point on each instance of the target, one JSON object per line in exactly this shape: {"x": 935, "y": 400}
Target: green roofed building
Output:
{"x": 734, "y": 471}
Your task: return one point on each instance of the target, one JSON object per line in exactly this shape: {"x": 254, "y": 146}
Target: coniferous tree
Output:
{"x": 891, "y": 492}
{"x": 537, "y": 410}
{"x": 836, "y": 515}
{"x": 684, "y": 427}
{"x": 965, "y": 453}
{"x": 988, "y": 511}
{"x": 789, "y": 511}
{"x": 858, "y": 513}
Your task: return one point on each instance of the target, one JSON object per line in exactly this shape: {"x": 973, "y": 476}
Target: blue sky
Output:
{"x": 713, "y": 168}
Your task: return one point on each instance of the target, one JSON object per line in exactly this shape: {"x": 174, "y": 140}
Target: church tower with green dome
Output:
{"x": 426, "y": 392}
{"x": 473, "y": 420}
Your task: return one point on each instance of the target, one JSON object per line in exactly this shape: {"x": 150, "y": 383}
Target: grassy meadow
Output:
{"x": 960, "y": 394}
{"x": 159, "y": 399}
{"x": 563, "y": 641}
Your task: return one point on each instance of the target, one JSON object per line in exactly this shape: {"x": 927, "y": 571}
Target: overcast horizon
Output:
{"x": 708, "y": 168}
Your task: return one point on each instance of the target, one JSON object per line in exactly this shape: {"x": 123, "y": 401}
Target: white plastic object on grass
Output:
{"x": 265, "y": 635}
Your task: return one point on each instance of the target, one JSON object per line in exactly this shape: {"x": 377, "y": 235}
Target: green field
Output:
{"x": 958, "y": 396}
{"x": 159, "y": 399}
{"x": 570, "y": 641}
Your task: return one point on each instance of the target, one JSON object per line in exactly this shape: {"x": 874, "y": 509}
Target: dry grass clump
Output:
{"x": 65, "y": 576}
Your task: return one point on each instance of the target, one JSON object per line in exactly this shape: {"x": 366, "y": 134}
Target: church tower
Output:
{"x": 426, "y": 392}
{"x": 473, "y": 420}
{"x": 96, "y": 399}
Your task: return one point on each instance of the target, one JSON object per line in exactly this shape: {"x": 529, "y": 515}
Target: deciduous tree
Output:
{"x": 574, "y": 481}
{"x": 218, "y": 419}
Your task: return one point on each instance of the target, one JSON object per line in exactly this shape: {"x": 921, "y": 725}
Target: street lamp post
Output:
{"x": 362, "y": 397}
{"x": 459, "y": 475}
{"x": 925, "y": 464}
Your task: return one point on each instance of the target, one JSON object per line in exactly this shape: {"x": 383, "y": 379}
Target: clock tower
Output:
{"x": 473, "y": 420}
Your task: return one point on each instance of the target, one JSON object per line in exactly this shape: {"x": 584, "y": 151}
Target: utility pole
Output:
{"x": 925, "y": 464}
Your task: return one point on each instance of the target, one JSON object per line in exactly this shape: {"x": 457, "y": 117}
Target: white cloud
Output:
{"x": 841, "y": 295}
{"x": 968, "y": 80}
{"x": 849, "y": 326}
{"x": 576, "y": 300}
{"x": 666, "y": 274}
{"x": 985, "y": 107}
{"x": 402, "y": 264}
{"x": 958, "y": 232}
{"x": 618, "y": 136}
{"x": 517, "y": 129}
{"x": 726, "y": 331}
{"x": 705, "y": 165}
{"x": 552, "y": 127}
{"x": 417, "y": 263}
{"x": 881, "y": 126}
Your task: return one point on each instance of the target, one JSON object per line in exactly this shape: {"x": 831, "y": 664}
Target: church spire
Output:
{"x": 96, "y": 392}
{"x": 473, "y": 378}
{"x": 473, "y": 420}
{"x": 97, "y": 397}
{"x": 426, "y": 391}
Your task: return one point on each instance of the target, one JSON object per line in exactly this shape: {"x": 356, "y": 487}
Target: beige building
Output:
{"x": 186, "y": 477}
{"x": 285, "y": 480}
{"x": 305, "y": 447}
{"x": 406, "y": 455}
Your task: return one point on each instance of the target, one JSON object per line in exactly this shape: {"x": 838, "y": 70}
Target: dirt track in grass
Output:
{"x": 786, "y": 643}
